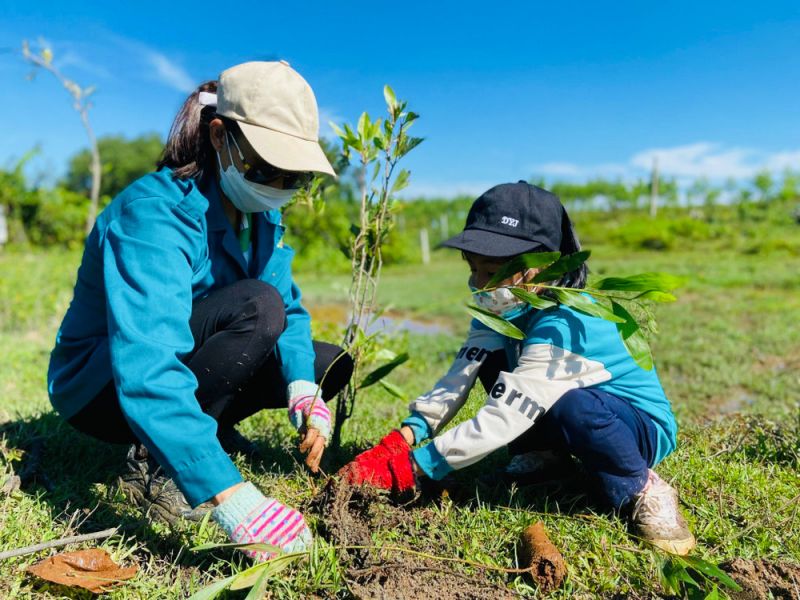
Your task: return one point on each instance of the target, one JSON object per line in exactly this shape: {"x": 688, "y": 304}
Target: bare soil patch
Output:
{"x": 761, "y": 579}
{"x": 348, "y": 517}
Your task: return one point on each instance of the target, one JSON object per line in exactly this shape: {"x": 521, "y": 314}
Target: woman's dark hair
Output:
{"x": 188, "y": 151}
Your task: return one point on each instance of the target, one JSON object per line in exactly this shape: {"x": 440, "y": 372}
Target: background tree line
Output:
{"x": 320, "y": 228}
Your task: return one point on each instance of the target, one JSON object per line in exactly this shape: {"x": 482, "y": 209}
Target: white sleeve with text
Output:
{"x": 544, "y": 374}
{"x": 440, "y": 404}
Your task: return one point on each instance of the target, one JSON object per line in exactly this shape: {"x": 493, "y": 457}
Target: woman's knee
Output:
{"x": 334, "y": 368}
{"x": 262, "y": 303}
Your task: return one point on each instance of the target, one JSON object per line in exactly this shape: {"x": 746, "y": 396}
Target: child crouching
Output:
{"x": 568, "y": 389}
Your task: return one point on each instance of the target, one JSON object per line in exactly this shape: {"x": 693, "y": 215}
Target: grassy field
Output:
{"x": 728, "y": 355}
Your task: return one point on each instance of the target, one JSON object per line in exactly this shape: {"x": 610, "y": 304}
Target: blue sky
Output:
{"x": 506, "y": 90}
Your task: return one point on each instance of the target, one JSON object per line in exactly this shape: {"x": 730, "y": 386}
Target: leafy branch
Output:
{"x": 611, "y": 298}
{"x": 81, "y": 103}
{"x": 378, "y": 145}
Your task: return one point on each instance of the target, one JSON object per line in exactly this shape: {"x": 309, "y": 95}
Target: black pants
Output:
{"x": 238, "y": 373}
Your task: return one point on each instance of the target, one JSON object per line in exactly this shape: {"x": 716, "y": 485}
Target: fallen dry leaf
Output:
{"x": 91, "y": 569}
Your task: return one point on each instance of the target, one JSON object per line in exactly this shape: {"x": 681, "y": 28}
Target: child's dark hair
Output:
{"x": 570, "y": 245}
{"x": 188, "y": 151}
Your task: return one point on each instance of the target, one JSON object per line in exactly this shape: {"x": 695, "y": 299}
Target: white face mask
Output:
{"x": 500, "y": 301}
{"x": 246, "y": 196}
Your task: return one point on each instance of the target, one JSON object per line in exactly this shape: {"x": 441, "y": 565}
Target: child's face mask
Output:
{"x": 500, "y": 301}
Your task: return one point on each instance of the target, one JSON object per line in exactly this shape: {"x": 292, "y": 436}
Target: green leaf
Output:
{"x": 248, "y": 546}
{"x": 389, "y": 96}
{"x": 709, "y": 569}
{"x": 400, "y": 182}
{"x": 251, "y": 576}
{"x": 337, "y": 130}
{"x": 212, "y": 591}
{"x": 259, "y": 587}
{"x": 575, "y": 299}
{"x": 393, "y": 389}
{"x": 363, "y": 125}
{"x": 655, "y": 296}
{"x": 662, "y": 282}
{"x": 633, "y": 338}
{"x": 411, "y": 143}
{"x": 565, "y": 264}
{"x": 496, "y": 323}
{"x": 382, "y": 371}
{"x": 713, "y": 594}
{"x": 523, "y": 262}
{"x": 535, "y": 300}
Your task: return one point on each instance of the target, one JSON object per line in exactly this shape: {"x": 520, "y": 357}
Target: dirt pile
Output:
{"x": 348, "y": 516}
{"x": 761, "y": 579}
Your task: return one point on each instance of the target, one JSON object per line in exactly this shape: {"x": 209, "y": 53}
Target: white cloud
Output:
{"x": 563, "y": 169}
{"x": 170, "y": 72}
{"x": 783, "y": 160}
{"x": 573, "y": 170}
{"x": 685, "y": 163}
{"x": 440, "y": 189}
{"x": 701, "y": 159}
{"x": 154, "y": 64}
{"x": 72, "y": 59}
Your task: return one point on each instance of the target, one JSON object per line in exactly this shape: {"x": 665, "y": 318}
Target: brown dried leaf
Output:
{"x": 91, "y": 569}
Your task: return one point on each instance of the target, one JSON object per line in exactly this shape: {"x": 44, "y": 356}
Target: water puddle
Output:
{"x": 391, "y": 322}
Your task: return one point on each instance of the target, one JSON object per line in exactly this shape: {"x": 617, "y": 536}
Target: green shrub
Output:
{"x": 59, "y": 219}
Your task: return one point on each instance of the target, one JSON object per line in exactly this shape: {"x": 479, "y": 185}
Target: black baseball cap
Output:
{"x": 511, "y": 219}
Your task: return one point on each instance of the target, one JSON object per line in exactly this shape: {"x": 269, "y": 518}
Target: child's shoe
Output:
{"x": 658, "y": 519}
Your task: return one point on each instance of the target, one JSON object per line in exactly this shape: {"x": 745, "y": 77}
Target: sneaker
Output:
{"x": 541, "y": 466}
{"x": 657, "y": 518}
{"x": 148, "y": 487}
{"x": 234, "y": 442}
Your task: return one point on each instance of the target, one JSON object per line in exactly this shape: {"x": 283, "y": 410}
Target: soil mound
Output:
{"x": 762, "y": 579}
{"x": 348, "y": 515}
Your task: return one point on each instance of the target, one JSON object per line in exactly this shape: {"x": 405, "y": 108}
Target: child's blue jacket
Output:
{"x": 160, "y": 245}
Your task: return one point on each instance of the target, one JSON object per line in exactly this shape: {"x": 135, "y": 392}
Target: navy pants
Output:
{"x": 615, "y": 442}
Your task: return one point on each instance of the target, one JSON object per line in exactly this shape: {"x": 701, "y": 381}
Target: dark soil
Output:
{"x": 348, "y": 517}
{"x": 762, "y": 579}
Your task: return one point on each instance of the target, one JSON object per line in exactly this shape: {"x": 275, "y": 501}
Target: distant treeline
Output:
{"x": 54, "y": 215}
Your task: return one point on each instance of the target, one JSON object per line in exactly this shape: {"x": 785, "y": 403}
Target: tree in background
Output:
{"x": 19, "y": 203}
{"x": 764, "y": 183}
{"x": 790, "y": 186}
{"x": 81, "y": 103}
{"x": 124, "y": 160}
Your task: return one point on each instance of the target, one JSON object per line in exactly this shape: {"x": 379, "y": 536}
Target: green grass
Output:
{"x": 728, "y": 355}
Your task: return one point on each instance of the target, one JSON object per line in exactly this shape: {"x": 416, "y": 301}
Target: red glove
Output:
{"x": 386, "y": 466}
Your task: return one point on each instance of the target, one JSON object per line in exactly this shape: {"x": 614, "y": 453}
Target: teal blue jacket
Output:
{"x": 160, "y": 245}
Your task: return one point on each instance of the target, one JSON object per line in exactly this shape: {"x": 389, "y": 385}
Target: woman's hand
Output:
{"x": 312, "y": 418}
{"x": 313, "y": 443}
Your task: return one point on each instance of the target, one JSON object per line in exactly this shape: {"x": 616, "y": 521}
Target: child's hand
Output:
{"x": 388, "y": 465}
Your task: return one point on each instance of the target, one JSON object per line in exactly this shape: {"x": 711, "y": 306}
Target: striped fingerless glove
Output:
{"x": 249, "y": 517}
{"x": 305, "y": 402}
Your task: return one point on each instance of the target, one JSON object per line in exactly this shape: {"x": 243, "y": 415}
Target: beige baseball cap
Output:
{"x": 277, "y": 113}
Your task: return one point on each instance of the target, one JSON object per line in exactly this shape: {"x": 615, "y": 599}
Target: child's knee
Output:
{"x": 579, "y": 413}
